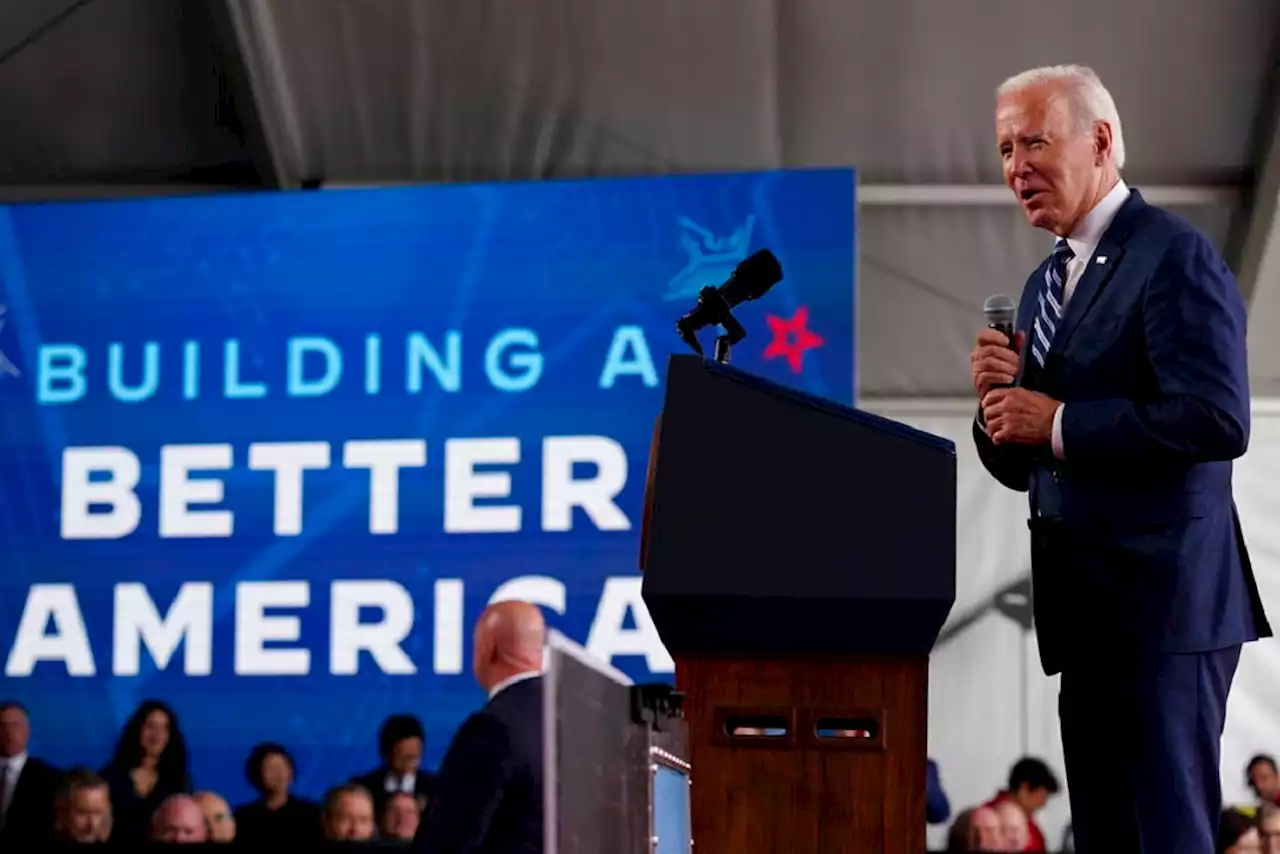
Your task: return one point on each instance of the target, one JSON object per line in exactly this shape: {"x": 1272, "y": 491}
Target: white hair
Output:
{"x": 1091, "y": 102}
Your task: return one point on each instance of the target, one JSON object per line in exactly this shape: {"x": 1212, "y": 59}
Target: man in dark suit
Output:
{"x": 28, "y": 785}
{"x": 489, "y": 797}
{"x": 1130, "y": 401}
{"x": 401, "y": 740}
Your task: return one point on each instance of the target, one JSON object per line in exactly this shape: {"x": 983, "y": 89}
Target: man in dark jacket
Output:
{"x": 28, "y": 785}
{"x": 489, "y": 795}
{"x": 401, "y": 740}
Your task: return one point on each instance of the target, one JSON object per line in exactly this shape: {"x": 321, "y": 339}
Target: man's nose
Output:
{"x": 1019, "y": 165}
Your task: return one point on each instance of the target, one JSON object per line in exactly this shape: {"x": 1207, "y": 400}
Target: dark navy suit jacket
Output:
{"x": 29, "y": 822}
{"x": 1149, "y": 361}
{"x": 489, "y": 789}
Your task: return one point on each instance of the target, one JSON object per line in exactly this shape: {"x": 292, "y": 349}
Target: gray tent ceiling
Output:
{"x": 155, "y": 95}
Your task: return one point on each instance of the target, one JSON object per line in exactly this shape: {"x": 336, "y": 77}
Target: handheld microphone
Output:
{"x": 750, "y": 280}
{"x": 1001, "y": 311}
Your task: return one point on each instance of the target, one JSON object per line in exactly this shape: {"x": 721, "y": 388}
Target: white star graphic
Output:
{"x": 6, "y": 366}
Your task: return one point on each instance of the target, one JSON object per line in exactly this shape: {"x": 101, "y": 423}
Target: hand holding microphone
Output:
{"x": 995, "y": 359}
{"x": 1009, "y": 415}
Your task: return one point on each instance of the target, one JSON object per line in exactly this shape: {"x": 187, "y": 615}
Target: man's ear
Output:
{"x": 1103, "y": 143}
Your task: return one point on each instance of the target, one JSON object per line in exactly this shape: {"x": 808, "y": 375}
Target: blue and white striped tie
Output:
{"x": 1050, "y": 314}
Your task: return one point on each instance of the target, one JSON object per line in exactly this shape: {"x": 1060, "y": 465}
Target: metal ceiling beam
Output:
{"x": 970, "y": 195}
{"x": 252, "y": 62}
{"x": 25, "y": 22}
{"x": 966, "y": 195}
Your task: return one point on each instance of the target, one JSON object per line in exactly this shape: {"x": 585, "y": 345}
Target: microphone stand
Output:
{"x": 733, "y": 333}
{"x": 712, "y": 310}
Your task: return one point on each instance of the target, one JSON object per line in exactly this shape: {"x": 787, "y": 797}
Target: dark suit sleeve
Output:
{"x": 468, "y": 788}
{"x": 1009, "y": 464}
{"x": 1194, "y": 321}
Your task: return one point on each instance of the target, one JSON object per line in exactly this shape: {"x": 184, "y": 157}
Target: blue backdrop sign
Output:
{"x": 266, "y": 457}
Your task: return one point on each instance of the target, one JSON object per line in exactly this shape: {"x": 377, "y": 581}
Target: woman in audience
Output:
{"x": 149, "y": 765}
{"x": 1238, "y": 834}
{"x": 276, "y": 817}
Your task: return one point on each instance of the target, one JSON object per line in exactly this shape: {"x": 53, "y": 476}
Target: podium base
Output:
{"x": 816, "y": 755}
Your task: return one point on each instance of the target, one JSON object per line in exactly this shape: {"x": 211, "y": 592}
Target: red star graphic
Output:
{"x": 791, "y": 338}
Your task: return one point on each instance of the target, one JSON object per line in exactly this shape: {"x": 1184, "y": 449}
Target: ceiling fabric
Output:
{"x": 436, "y": 90}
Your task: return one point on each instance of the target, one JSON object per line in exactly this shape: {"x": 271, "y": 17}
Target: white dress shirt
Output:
{"x": 511, "y": 680}
{"x": 405, "y": 784}
{"x": 12, "y": 769}
{"x": 1084, "y": 242}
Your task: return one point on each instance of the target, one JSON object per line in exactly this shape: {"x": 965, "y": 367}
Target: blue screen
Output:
{"x": 671, "y": 823}
{"x": 266, "y": 457}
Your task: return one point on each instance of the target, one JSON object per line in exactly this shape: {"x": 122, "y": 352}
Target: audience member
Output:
{"x": 1269, "y": 828}
{"x": 976, "y": 829}
{"x": 490, "y": 786}
{"x": 179, "y": 819}
{"x": 1261, "y": 776}
{"x": 148, "y": 766}
{"x": 82, "y": 808}
{"x": 28, "y": 785}
{"x": 1031, "y": 784}
{"x": 937, "y": 808}
{"x": 1015, "y": 831}
{"x": 1238, "y": 834}
{"x": 401, "y": 740}
{"x": 276, "y": 818}
{"x": 217, "y": 816}
{"x": 401, "y": 817}
{"x": 348, "y": 814}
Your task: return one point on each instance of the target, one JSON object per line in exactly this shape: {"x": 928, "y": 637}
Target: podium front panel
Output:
{"x": 596, "y": 783}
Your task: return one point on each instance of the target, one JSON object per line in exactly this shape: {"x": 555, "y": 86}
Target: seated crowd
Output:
{"x": 145, "y": 792}
{"x": 488, "y": 795}
{"x": 1007, "y": 821}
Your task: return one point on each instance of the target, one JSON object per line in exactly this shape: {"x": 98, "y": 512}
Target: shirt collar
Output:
{"x": 512, "y": 680}
{"x": 394, "y": 782}
{"x": 14, "y": 763}
{"x": 1088, "y": 233}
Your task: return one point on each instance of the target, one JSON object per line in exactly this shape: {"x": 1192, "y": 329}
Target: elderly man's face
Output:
{"x": 351, "y": 819}
{"x": 984, "y": 830}
{"x": 86, "y": 815}
{"x": 217, "y": 816}
{"x": 179, "y": 821}
{"x": 1055, "y": 170}
{"x": 1013, "y": 826}
{"x": 401, "y": 818}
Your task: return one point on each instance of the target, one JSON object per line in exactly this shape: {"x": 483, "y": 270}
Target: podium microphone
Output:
{"x": 1001, "y": 311}
{"x": 751, "y": 279}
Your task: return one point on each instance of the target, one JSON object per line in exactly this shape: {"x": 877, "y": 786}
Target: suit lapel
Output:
{"x": 1094, "y": 278}
{"x": 1098, "y": 270}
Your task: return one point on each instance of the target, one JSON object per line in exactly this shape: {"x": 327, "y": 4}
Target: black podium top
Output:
{"x": 780, "y": 522}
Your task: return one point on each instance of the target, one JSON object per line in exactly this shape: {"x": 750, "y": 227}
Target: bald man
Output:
{"x": 217, "y": 816}
{"x": 489, "y": 796}
{"x": 179, "y": 819}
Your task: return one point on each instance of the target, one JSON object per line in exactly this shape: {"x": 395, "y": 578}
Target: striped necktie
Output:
{"x": 1050, "y": 314}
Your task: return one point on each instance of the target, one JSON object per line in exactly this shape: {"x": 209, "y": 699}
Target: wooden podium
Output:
{"x": 799, "y": 561}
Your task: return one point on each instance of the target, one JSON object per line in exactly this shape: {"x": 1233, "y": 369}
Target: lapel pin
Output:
{"x": 1102, "y": 259}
